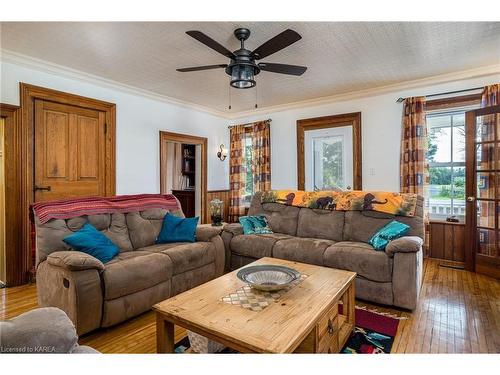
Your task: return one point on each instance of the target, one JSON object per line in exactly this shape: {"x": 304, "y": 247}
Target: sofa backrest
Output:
{"x": 128, "y": 231}
{"x": 332, "y": 225}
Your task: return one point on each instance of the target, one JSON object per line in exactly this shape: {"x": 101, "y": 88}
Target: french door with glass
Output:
{"x": 328, "y": 159}
{"x": 483, "y": 190}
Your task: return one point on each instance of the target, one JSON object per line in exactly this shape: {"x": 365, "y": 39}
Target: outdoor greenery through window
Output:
{"x": 446, "y": 157}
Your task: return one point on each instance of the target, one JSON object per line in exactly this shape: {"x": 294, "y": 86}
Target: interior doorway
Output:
{"x": 183, "y": 171}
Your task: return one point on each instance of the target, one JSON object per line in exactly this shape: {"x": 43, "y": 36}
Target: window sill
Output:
{"x": 437, "y": 221}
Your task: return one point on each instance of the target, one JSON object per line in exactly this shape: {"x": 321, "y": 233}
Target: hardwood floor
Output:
{"x": 458, "y": 312}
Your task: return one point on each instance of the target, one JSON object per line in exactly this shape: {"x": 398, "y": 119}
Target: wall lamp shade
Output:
{"x": 242, "y": 76}
{"x": 222, "y": 154}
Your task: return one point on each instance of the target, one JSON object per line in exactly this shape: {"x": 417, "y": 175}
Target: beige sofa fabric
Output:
{"x": 96, "y": 295}
{"x": 337, "y": 239}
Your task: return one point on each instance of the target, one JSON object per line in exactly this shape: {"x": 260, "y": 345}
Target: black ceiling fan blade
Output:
{"x": 206, "y": 67}
{"x": 209, "y": 42}
{"x": 295, "y": 70}
{"x": 277, "y": 43}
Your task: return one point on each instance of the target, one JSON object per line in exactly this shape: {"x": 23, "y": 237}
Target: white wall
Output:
{"x": 381, "y": 133}
{"x": 138, "y": 121}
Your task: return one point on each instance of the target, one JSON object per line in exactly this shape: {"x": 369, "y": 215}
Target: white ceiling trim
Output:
{"x": 428, "y": 81}
{"x": 51, "y": 68}
{"x": 63, "y": 71}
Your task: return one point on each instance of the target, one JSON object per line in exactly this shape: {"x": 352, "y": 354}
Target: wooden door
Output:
{"x": 70, "y": 151}
{"x": 483, "y": 190}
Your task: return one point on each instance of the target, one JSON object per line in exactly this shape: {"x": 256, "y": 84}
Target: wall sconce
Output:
{"x": 222, "y": 154}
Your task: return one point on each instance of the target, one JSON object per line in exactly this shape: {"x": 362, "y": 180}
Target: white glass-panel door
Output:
{"x": 328, "y": 159}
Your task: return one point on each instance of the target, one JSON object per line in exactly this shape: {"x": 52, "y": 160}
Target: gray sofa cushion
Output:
{"x": 361, "y": 258}
{"x": 134, "y": 271}
{"x": 281, "y": 218}
{"x": 321, "y": 224}
{"x": 185, "y": 256}
{"x": 256, "y": 245}
{"x": 306, "y": 250}
{"x": 144, "y": 226}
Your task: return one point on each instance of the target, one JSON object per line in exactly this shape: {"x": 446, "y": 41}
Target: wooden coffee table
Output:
{"x": 305, "y": 319}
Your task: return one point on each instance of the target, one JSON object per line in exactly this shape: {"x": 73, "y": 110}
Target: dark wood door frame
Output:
{"x": 14, "y": 256}
{"x": 473, "y": 261}
{"x": 335, "y": 121}
{"x": 165, "y": 137}
{"x": 29, "y": 94}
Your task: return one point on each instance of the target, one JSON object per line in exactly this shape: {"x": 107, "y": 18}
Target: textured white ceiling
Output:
{"x": 341, "y": 57}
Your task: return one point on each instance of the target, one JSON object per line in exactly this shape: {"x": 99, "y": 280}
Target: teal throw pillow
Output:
{"x": 387, "y": 233}
{"x": 90, "y": 241}
{"x": 177, "y": 229}
{"x": 255, "y": 225}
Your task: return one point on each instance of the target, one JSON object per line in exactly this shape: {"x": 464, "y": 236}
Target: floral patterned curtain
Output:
{"x": 237, "y": 175}
{"x": 414, "y": 169}
{"x": 261, "y": 156}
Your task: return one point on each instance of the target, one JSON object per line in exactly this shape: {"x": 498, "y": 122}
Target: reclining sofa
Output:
{"x": 94, "y": 294}
{"x": 337, "y": 239}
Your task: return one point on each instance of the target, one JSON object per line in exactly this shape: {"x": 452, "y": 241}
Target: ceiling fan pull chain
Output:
{"x": 229, "y": 96}
{"x": 256, "y": 97}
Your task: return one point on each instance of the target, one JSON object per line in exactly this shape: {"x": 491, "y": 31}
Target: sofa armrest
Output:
{"x": 235, "y": 229}
{"x": 74, "y": 261}
{"x": 205, "y": 232}
{"x": 408, "y": 244}
{"x": 42, "y": 330}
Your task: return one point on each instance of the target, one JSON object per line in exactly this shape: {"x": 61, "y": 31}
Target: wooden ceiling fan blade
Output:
{"x": 206, "y": 67}
{"x": 295, "y": 70}
{"x": 209, "y": 42}
{"x": 276, "y": 44}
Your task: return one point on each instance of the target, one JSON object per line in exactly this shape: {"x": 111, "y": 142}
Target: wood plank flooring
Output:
{"x": 458, "y": 312}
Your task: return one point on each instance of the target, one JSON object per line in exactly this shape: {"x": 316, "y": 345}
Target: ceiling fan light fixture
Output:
{"x": 242, "y": 76}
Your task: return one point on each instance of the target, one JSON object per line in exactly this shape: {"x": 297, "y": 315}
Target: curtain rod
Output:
{"x": 400, "y": 100}
{"x": 248, "y": 123}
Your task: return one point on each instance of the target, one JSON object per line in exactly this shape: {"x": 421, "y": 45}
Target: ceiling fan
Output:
{"x": 243, "y": 66}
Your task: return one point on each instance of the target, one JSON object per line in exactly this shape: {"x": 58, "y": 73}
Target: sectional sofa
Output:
{"x": 96, "y": 295}
{"x": 337, "y": 239}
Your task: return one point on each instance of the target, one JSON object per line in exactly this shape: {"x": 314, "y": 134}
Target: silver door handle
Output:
{"x": 471, "y": 199}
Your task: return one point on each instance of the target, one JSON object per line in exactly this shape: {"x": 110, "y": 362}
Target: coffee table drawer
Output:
{"x": 328, "y": 332}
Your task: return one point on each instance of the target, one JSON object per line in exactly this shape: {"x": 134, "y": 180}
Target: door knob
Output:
{"x": 37, "y": 188}
{"x": 471, "y": 199}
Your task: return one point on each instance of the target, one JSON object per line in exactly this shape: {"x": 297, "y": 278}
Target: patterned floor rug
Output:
{"x": 374, "y": 334}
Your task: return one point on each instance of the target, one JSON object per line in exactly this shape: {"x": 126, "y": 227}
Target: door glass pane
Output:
{"x": 458, "y": 141}
{"x": 486, "y": 214}
{"x": 485, "y": 128}
{"x": 328, "y": 163}
{"x": 486, "y": 185}
{"x": 485, "y": 152}
{"x": 486, "y": 241}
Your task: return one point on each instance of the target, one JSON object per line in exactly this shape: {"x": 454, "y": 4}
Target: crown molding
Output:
{"x": 52, "y": 68}
{"x": 397, "y": 87}
{"x": 63, "y": 71}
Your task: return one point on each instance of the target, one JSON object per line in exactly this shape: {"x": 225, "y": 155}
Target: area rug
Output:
{"x": 374, "y": 334}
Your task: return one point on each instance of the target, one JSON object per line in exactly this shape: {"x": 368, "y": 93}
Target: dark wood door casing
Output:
{"x": 347, "y": 119}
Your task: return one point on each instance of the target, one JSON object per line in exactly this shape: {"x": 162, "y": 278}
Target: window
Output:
{"x": 249, "y": 189}
{"x": 446, "y": 158}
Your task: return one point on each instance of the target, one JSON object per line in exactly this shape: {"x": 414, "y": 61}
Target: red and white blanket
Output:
{"x": 73, "y": 207}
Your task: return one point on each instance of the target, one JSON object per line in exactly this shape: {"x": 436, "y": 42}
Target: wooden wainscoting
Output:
{"x": 447, "y": 241}
{"x": 223, "y": 195}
